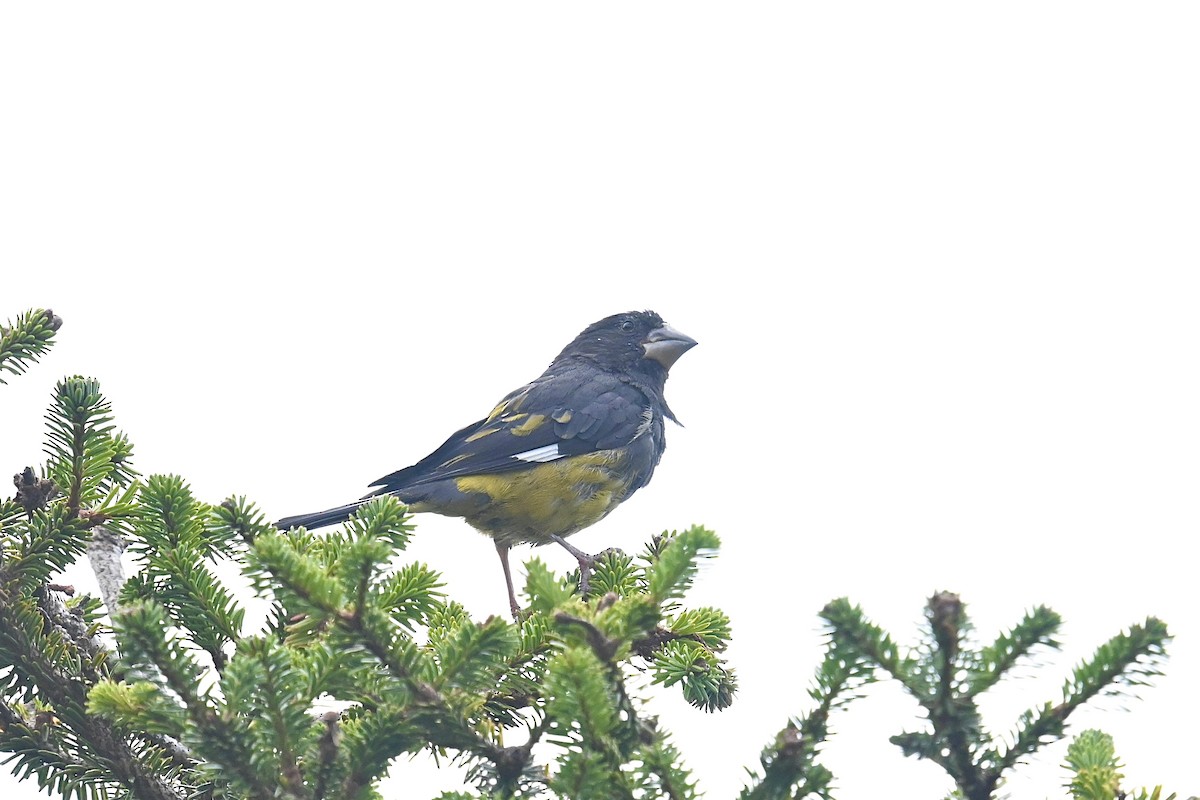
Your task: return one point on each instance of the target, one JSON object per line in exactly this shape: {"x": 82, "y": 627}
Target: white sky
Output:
{"x": 941, "y": 261}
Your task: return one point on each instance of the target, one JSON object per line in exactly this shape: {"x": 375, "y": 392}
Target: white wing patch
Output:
{"x": 647, "y": 419}
{"x": 540, "y": 454}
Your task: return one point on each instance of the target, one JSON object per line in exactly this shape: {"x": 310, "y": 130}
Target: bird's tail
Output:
{"x": 319, "y": 519}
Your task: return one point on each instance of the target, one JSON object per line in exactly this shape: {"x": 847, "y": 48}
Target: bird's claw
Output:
{"x": 585, "y": 575}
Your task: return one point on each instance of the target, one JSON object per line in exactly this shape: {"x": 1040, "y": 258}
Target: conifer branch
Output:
{"x": 22, "y": 342}
{"x": 948, "y": 676}
{"x": 604, "y": 647}
{"x": 277, "y": 697}
{"x": 82, "y": 447}
{"x": 327, "y": 749}
{"x": 95, "y": 663}
{"x": 856, "y": 632}
{"x": 37, "y": 660}
{"x": 1124, "y": 661}
{"x": 789, "y": 766}
{"x": 48, "y": 543}
{"x": 661, "y": 761}
{"x": 952, "y": 714}
{"x": 145, "y": 633}
{"x": 1097, "y": 773}
{"x": 38, "y": 748}
{"x": 1037, "y": 629}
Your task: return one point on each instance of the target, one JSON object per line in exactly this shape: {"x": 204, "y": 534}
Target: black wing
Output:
{"x": 579, "y": 410}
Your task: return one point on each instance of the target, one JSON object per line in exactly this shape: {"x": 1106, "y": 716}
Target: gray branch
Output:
{"x": 104, "y": 553}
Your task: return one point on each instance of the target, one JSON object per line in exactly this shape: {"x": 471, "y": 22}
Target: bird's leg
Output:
{"x": 585, "y": 564}
{"x": 502, "y": 550}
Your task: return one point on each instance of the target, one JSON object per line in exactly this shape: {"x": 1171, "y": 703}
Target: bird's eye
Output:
{"x": 627, "y": 326}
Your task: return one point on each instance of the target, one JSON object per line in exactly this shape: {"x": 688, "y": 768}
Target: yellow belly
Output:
{"x": 557, "y": 498}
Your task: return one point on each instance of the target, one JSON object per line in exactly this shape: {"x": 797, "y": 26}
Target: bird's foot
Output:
{"x": 586, "y": 564}
{"x": 585, "y": 575}
{"x": 585, "y": 560}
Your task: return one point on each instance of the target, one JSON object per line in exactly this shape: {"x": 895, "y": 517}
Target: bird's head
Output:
{"x": 637, "y": 342}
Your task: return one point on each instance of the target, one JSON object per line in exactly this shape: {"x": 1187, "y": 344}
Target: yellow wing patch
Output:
{"x": 509, "y": 404}
{"x": 482, "y": 432}
{"x": 527, "y": 424}
{"x": 527, "y": 427}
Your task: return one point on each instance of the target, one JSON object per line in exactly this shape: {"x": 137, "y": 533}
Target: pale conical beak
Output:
{"x": 665, "y": 345}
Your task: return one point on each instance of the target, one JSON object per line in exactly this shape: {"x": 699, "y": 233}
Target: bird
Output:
{"x": 555, "y": 455}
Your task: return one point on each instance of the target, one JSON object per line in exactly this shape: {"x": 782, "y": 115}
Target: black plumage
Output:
{"x": 555, "y": 455}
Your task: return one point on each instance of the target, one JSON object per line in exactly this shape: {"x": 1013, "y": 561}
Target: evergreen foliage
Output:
{"x": 22, "y": 341}
{"x": 946, "y": 675}
{"x": 1096, "y": 773}
{"x": 362, "y": 658}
